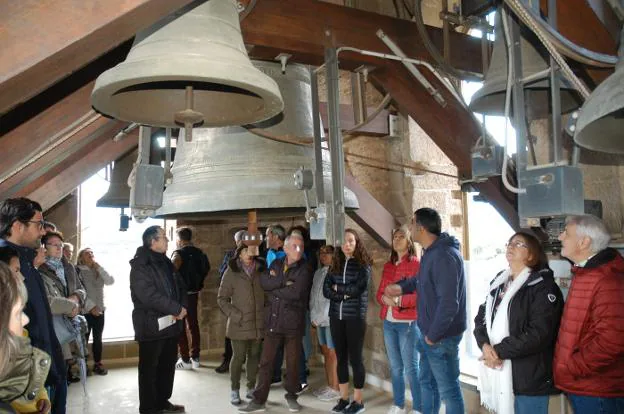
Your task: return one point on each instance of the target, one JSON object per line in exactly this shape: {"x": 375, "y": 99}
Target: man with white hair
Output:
{"x": 287, "y": 285}
{"x": 589, "y": 356}
{"x": 227, "y": 354}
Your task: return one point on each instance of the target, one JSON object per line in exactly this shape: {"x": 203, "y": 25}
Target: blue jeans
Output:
{"x": 400, "y": 339}
{"x": 439, "y": 375}
{"x": 531, "y": 404}
{"x": 596, "y": 405}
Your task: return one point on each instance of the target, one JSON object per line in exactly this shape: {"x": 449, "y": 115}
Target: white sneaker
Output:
{"x": 195, "y": 363}
{"x": 416, "y": 412}
{"x": 329, "y": 395}
{"x": 396, "y": 410}
{"x": 321, "y": 391}
{"x": 183, "y": 365}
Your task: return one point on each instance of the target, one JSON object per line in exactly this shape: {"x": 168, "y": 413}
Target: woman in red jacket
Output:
{"x": 399, "y": 315}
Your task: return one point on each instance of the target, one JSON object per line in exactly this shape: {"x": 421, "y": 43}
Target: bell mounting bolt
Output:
{"x": 188, "y": 117}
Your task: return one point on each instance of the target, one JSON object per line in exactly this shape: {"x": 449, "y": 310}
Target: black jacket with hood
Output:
{"x": 534, "y": 314}
{"x": 157, "y": 290}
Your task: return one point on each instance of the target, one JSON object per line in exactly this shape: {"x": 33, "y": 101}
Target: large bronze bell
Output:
{"x": 190, "y": 69}
{"x": 490, "y": 99}
{"x": 118, "y": 194}
{"x": 226, "y": 171}
{"x": 601, "y": 120}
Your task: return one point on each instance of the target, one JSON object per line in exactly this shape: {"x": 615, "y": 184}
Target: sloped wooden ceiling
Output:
{"x": 52, "y": 50}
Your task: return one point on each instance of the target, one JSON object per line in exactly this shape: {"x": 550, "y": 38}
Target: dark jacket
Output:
{"x": 156, "y": 291}
{"x": 441, "y": 287}
{"x": 40, "y": 327}
{"x": 534, "y": 314}
{"x": 241, "y": 298}
{"x": 350, "y": 299}
{"x": 288, "y": 292}
{"x": 23, "y": 385}
{"x": 195, "y": 266}
{"x": 589, "y": 356}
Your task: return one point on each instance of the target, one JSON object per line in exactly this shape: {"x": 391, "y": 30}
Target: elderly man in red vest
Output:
{"x": 589, "y": 356}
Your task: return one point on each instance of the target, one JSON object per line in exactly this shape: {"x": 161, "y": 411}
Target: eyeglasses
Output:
{"x": 60, "y": 245}
{"x": 41, "y": 223}
{"x": 516, "y": 244}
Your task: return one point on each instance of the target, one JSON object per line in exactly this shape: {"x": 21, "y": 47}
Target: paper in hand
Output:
{"x": 165, "y": 322}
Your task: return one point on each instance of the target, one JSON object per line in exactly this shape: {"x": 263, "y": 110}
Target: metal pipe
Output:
{"x": 412, "y": 69}
{"x": 318, "y": 152}
{"x": 555, "y": 91}
{"x": 337, "y": 219}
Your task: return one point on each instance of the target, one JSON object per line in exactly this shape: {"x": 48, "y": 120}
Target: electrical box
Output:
{"x": 550, "y": 192}
{"x": 146, "y": 195}
{"x": 487, "y": 161}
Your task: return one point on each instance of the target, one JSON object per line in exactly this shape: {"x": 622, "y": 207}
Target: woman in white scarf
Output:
{"x": 516, "y": 328}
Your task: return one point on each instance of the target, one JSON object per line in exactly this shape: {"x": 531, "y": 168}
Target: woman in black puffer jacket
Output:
{"x": 346, "y": 286}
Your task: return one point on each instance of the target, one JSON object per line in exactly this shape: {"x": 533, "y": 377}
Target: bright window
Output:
{"x": 113, "y": 250}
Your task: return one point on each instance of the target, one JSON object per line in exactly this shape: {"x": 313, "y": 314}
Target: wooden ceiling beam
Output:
{"x": 44, "y": 41}
{"x": 303, "y": 28}
{"x": 453, "y": 128}
{"x": 43, "y": 130}
{"x": 36, "y": 172}
{"x": 76, "y": 173}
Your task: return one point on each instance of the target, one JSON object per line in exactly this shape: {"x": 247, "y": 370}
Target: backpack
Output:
{"x": 195, "y": 267}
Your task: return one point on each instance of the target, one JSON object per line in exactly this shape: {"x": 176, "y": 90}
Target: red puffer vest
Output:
{"x": 589, "y": 356}
{"x": 392, "y": 273}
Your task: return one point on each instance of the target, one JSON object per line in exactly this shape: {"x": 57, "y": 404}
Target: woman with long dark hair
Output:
{"x": 346, "y": 286}
{"x": 399, "y": 315}
{"x": 516, "y": 328}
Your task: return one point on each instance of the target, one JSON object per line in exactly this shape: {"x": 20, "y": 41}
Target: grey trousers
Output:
{"x": 245, "y": 350}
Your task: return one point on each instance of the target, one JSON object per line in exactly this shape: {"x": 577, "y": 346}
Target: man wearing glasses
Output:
{"x": 159, "y": 298}
{"x": 21, "y": 227}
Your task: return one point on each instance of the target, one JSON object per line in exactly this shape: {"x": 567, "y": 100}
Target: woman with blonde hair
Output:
{"x": 94, "y": 277}
{"x": 399, "y": 315}
{"x": 23, "y": 368}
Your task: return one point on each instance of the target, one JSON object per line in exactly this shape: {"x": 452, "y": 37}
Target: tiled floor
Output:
{"x": 201, "y": 391}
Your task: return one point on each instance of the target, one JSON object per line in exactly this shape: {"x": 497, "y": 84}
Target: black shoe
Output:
{"x": 99, "y": 369}
{"x": 224, "y": 367}
{"x": 341, "y": 406}
{"x": 355, "y": 408}
{"x": 71, "y": 379}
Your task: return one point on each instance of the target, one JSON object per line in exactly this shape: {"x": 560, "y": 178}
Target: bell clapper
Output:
{"x": 188, "y": 117}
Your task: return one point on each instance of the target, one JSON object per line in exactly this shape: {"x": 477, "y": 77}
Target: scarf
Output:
{"x": 248, "y": 269}
{"x": 496, "y": 385}
{"x": 57, "y": 265}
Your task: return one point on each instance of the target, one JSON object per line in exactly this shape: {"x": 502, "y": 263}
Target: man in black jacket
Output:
{"x": 159, "y": 298}
{"x": 193, "y": 266}
{"x": 21, "y": 227}
{"x": 287, "y": 284}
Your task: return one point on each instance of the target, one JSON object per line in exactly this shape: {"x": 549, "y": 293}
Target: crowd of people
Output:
{"x": 534, "y": 344}
{"x": 58, "y": 302}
